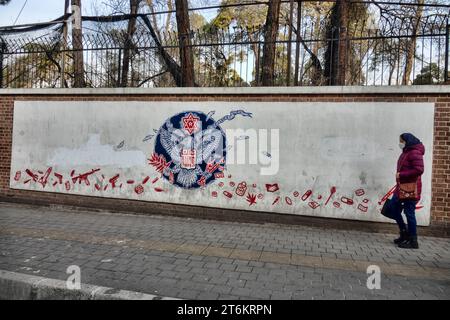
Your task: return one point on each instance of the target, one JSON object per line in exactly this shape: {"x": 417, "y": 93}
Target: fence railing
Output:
{"x": 232, "y": 57}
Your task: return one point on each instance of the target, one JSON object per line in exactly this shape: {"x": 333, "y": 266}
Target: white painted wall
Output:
{"x": 321, "y": 145}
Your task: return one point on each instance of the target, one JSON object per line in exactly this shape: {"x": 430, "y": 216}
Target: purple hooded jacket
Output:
{"x": 410, "y": 163}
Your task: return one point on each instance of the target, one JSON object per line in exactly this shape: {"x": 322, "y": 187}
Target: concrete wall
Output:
{"x": 421, "y": 97}
{"x": 326, "y": 159}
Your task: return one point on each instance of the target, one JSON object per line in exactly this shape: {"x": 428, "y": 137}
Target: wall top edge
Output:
{"x": 325, "y": 90}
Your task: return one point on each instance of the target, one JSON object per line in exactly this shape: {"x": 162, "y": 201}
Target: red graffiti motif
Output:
{"x": 232, "y": 184}
{"x": 387, "y": 195}
{"x": 97, "y": 186}
{"x": 241, "y": 188}
{"x": 272, "y": 187}
{"x": 288, "y": 201}
{"x": 214, "y": 194}
{"x": 365, "y": 200}
{"x": 332, "y": 191}
{"x": 227, "y": 194}
{"x": 418, "y": 207}
{"x": 145, "y": 180}
{"x": 72, "y": 173}
{"x": 319, "y": 197}
{"x": 347, "y": 201}
{"x": 254, "y": 185}
{"x": 251, "y": 199}
{"x": 17, "y": 176}
{"x": 221, "y": 184}
{"x": 336, "y": 204}
{"x": 313, "y": 204}
{"x": 260, "y": 196}
{"x": 188, "y": 157}
{"x": 113, "y": 180}
{"x": 306, "y": 195}
{"x": 201, "y": 181}
{"x": 362, "y": 208}
{"x": 106, "y": 187}
{"x": 159, "y": 162}
{"x": 33, "y": 176}
{"x": 159, "y": 190}
{"x": 360, "y": 192}
{"x": 171, "y": 178}
{"x": 67, "y": 185}
{"x": 296, "y": 194}
{"x": 277, "y": 199}
{"x": 43, "y": 180}
{"x": 139, "y": 189}
{"x": 155, "y": 180}
{"x": 219, "y": 175}
{"x": 59, "y": 177}
{"x": 84, "y": 177}
{"x": 213, "y": 166}
{"x": 190, "y": 123}
{"x": 130, "y": 181}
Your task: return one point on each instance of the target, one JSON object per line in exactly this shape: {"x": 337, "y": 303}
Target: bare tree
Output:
{"x": 336, "y": 55}
{"x": 186, "y": 57}
{"x": 77, "y": 41}
{"x": 134, "y": 5}
{"x": 270, "y": 37}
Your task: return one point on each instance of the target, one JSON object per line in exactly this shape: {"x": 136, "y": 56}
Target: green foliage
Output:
{"x": 428, "y": 75}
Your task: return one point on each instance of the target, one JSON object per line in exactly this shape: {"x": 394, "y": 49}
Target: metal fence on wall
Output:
{"x": 230, "y": 57}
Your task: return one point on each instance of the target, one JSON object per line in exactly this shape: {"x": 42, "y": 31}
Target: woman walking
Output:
{"x": 409, "y": 186}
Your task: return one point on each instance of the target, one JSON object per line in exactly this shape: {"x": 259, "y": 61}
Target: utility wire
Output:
{"x": 20, "y": 12}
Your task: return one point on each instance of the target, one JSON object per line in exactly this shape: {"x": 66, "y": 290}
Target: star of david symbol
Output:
{"x": 190, "y": 123}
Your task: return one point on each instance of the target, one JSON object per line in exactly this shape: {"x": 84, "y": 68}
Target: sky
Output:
{"x": 46, "y": 10}
{"x": 35, "y": 11}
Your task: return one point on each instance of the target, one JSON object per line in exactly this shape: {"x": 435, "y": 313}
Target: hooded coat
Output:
{"x": 410, "y": 163}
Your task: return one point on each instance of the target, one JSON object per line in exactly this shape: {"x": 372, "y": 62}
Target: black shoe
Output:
{"x": 411, "y": 243}
{"x": 403, "y": 237}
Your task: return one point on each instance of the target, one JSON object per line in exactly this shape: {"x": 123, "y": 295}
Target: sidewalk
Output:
{"x": 203, "y": 259}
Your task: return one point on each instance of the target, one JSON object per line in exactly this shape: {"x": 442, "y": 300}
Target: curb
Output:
{"x": 19, "y": 286}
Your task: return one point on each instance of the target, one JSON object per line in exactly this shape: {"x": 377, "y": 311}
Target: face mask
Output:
{"x": 401, "y": 145}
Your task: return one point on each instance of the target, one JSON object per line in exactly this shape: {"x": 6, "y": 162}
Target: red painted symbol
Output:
{"x": 332, "y": 191}
{"x": 67, "y": 184}
{"x": 272, "y": 187}
{"x": 219, "y": 175}
{"x": 190, "y": 123}
{"x": 214, "y": 194}
{"x": 59, "y": 177}
{"x": 97, "y": 186}
{"x": 139, "y": 189}
{"x": 276, "y": 200}
{"x": 362, "y": 208}
{"x": 306, "y": 195}
{"x": 221, "y": 184}
{"x": 313, "y": 204}
{"x": 31, "y": 174}
{"x": 130, "y": 181}
{"x": 201, "y": 181}
{"x": 188, "y": 158}
{"x": 84, "y": 177}
{"x": 159, "y": 189}
{"x": 418, "y": 207}
{"x": 241, "y": 188}
{"x": 288, "y": 201}
{"x": 319, "y": 197}
{"x": 113, "y": 180}
{"x": 171, "y": 178}
{"x": 347, "y": 201}
{"x": 17, "y": 176}
{"x": 154, "y": 180}
{"x": 260, "y": 196}
{"x": 159, "y": 162}
{"x": 366, "y": 201}
{"x": 232, "y": 184}
{"x": 296, "y": 194}
{"x": 227, "y": 194}
{"x": 336, "y": 204}
{"x": 43, "y": 180}
{"x": 251, "y": 199}
{"x": 145, "y": 180}
{"x": 360, "y": 192}
{"x": 387, "y": 195}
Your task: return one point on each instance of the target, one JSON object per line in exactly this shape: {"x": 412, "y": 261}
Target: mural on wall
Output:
{"x": 186, "y": 160}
